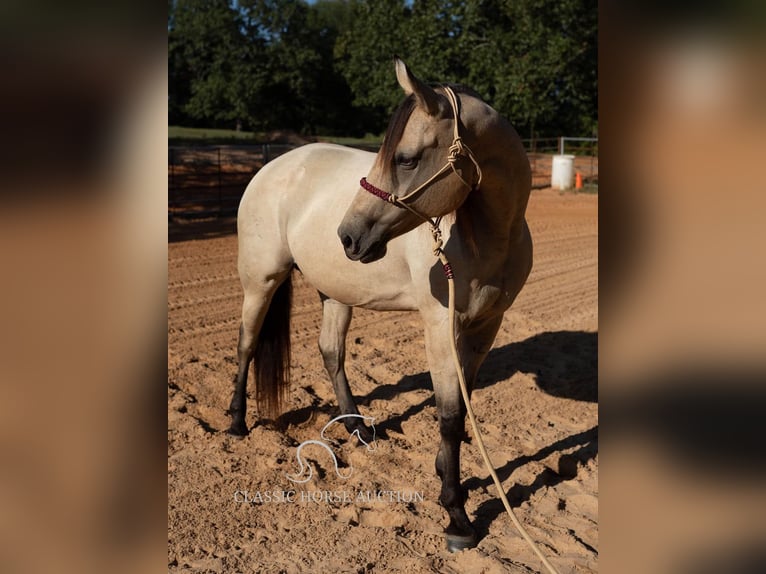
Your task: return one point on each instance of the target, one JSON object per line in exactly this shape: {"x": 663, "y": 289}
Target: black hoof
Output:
{"x": 365, "y": 432}
{"x": 238, "y": 429}
{"x": 456, "y": 543}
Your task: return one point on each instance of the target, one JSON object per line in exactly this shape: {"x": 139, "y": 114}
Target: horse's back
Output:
{"x": 292, "y": 183}
{"x": 309, "y": 168}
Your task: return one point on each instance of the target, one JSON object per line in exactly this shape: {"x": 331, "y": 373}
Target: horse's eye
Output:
{"x": 407, "y": 162}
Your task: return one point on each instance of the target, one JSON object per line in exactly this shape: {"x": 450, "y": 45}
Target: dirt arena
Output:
{"x": 536, "y": 399}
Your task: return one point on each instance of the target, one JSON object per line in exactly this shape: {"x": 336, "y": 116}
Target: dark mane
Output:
{"x": 402, "y": 115}
{"x": 395, "y": 130}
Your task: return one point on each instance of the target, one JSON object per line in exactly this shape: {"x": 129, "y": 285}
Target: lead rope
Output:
{"x": 436, "y": 233}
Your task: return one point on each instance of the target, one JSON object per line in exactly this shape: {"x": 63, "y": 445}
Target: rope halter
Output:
{"x": 457, "y": 150}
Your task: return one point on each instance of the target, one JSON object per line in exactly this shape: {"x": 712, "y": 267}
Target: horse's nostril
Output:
{"x": 347, "y": 241}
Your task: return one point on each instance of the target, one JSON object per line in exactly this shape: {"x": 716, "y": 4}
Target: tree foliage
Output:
{"x": 326, "y": 67}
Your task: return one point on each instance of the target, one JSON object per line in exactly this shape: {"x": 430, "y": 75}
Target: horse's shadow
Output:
{"x": 564, "y": 364}
{"x": 587, "y": 449}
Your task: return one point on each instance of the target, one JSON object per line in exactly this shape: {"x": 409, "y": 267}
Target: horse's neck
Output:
{"x": 495, "y": 212}
{"x": 493, "y": 215}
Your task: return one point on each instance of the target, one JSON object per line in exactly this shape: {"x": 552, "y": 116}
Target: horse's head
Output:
{"x": 411, "y": 179}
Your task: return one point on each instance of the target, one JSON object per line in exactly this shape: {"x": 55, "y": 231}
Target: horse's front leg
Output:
{"x": 460, "y": 533}
{"x": 473, "y": 346}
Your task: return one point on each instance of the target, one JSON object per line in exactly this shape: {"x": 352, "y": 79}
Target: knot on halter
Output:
{"x": 436, "y": 233}
{"x": 456, "y": 150}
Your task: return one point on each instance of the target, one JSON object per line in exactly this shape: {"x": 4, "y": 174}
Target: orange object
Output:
{"x": 578, "y": 180}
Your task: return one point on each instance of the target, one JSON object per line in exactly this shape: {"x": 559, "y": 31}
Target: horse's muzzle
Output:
{"x": 361, "y": 245}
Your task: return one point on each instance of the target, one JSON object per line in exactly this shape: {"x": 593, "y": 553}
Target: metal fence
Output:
{"x": 208, "y": 181}
{"x": 541, "y": 151}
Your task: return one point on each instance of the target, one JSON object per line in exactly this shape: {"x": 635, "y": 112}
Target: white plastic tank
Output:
{"x": 562, "y": 173}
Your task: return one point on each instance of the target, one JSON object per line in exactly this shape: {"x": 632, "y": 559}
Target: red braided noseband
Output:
{"x": 384, "y": 195}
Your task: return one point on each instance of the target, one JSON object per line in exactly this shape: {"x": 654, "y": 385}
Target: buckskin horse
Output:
{"x": 448, "y": 159}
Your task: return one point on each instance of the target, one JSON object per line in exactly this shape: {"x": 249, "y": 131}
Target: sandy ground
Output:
{"x": 536, "y": 398}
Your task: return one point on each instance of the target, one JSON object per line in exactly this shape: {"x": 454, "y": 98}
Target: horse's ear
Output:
{"x": 426, "y": 97}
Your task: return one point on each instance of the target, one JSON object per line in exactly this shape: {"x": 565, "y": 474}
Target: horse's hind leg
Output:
{"x": 256, "y": 303}
{"x": 253, "y": 313}
{"x": 336, "y": 318}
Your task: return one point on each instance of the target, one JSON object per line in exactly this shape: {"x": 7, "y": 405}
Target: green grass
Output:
{"x": 368, "y": 139}
{"x": 179, "y": 135}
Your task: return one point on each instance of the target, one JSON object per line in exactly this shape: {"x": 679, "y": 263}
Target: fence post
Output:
{"x": 220, "y": 201}
{"x": 265, "y": 154}
{"x": 561, "y": 145}
{"x": 172, "y": 159}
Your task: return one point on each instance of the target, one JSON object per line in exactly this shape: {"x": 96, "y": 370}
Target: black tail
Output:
{"x": 271, "y": 358}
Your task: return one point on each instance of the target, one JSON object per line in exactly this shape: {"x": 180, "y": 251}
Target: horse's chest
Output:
{"x": 484, "y": 300}
{"x": 497, "y": 291}
{"x": 493, "y": 297}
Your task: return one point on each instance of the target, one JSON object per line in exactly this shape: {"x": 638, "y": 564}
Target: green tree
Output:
{"x": 296, "y": 42}
{"x": 327, "y": 67}
{"x": 328, "y": 20}
{"x": 213, "y": 79}
{"x": 284, "y": 57}
{"x": 364, "y": 54}
{"x": 534, "y": 60}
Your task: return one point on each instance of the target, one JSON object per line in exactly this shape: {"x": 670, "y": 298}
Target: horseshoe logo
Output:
{"x": 303, "y": 464}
